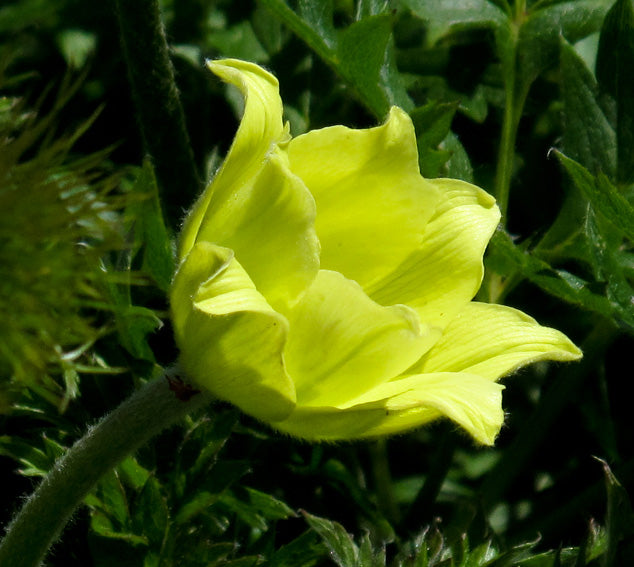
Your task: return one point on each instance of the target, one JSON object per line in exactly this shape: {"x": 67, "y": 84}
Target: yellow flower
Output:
{"x": 325, "y": 287}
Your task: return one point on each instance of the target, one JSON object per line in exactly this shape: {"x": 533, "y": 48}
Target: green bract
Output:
{"x": 325, "y": 287}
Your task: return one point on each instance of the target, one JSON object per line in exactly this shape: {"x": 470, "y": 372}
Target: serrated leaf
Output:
{"x": 343, "y": 550}
{"x": 445, "y": 16}
{"x": 459, "y": 165}
{"x": 615, "y": 67}
{"x": 255, "y": 508}
{"x": 318, "y": 16}
{"x": 432, "y": 123}
{"x": 588, "y": 136}
{"x": 151, "y": 514}
{"x": 366, "y": 54}
{"x": 511, "y": 557}
{"x": 540, "y": 33}
{"x": 368, "y": 555}
{"x": 361, "y": 54}
{"x": 604, "y": 197}
{"x": 269, "y": 506}
{"x": 204, "y": 441}
{"x": 620, "y": 516}
{"x": 208, "y": 492}
{"x": 112, "y": 501}
{"x": 305, "y": 551}
{"x": 35, "y": 461}
{"x": 504, "y": 254}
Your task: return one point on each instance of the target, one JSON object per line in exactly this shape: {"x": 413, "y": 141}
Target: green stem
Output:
{"x": 506, "y": 152}
{"x": 383, "y": 481}
{"x": 157, "y": 102}
{"x": 516, "y": 89}
{"x": 41, "y": 520}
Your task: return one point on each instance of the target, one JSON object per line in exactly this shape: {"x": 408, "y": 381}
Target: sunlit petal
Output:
{"x": 342, "y": 344}
{"x": 372, "y": 203}
{"x": 493, "y": 340}
{"x": 231, "y": 340}
{"x": 260, "y": 129}
{"x": 444, "y": 274}
{"x": 470, "y": 401}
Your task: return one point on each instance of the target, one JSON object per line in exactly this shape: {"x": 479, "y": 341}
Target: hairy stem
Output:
{"x": 41, "y": 520}
{"x": 157, "y": 102}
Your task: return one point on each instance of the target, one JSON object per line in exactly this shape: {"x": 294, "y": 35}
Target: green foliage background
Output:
{"x": 533, "y": 101}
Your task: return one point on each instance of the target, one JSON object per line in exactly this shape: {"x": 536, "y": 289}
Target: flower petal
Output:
{"x": 272, "y": 233}
{"x": 372, "y": 202}
{"x": 493, "y": 340}
{"x": 446, "y": 271}
{"x": 231, "y": 340}
{"x": 472, "y": 402}
{"x": 260, "y": 128}
{"x": 341, "y": 343}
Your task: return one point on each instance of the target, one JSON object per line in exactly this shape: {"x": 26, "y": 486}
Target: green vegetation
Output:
{"x": 532, "y": 101}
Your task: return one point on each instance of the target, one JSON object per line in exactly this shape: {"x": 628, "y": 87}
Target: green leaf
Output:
{"x": 76, "y": 46}
{"x": 199, "y": 451}
{"x": 239, "y": 42}
{"x": 111, "y": 500}
{"x": 540, "y": 33}
{"x": 151, "y": 233}
{"x": 604, "y": 197}
{"x": 134, "y": 324}
{"x": 343, "y": 550}
{"x": 269, "y": 506}
{"x": 588, "y": 137}
{"x": 615, "y": 67}
{"x": 620, "y": 516}
{"x": 459, "y": 165}
{"x": 361, "y": 54}
{"x": 255, "y": 508}
{"x": 361, "y": 50}
{"x": 305, "y": 551}
{"x": 151, "y": 515}
{"x": 513, "y": 556}
{"x": 432, "y": 123}
{"x": 208, "y": 492}
{"x": 446, "y": 16}
{"x": 35, "y": 461}
{"x": 318, "y": 15}
{"x": 506, "y": 257}
{"x": 368, "y": 555}
{"x": 132, "y": 473}
{"x": 603, "y": 247}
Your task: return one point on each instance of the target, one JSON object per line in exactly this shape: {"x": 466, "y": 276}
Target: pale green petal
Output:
{"x": 470, "y": 401}
{"x": 446, "y": 272}
{"x": 272, "y": 232}
{"x": 341, "y": 343}
{"x": 493, "y": 340}
{"x": 231, "y": 340}
{"x": 372, "y": 203}
{"x": 260, "y": 129}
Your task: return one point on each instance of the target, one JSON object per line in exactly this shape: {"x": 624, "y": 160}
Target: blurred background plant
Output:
{"x": 533, "y": 101}
{"x": 57, "y": 220}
